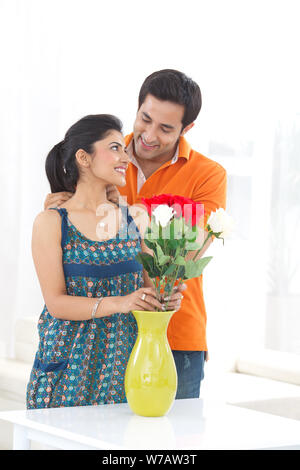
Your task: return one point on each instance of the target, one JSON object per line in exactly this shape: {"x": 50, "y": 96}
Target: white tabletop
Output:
{"x": 190, "y": 424}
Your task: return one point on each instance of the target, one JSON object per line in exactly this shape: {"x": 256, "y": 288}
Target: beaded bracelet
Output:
{"x": 95, "y": 307}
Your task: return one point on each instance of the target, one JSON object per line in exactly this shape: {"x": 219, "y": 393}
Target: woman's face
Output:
{"x": 109, "y": 161}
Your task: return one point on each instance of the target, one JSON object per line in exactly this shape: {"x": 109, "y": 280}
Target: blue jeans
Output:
{"x": 190, "y": 372}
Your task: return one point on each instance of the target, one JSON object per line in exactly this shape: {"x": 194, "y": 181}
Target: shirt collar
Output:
{"x": 183, "y": 149}
{"x": 141, "y": 179}
{"x": 133, "y": 160}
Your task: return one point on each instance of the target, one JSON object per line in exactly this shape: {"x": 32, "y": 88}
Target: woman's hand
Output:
{"x": 141, "y": 299}
{"x": 56, "y": 199}
{"x": 174, "y": 301}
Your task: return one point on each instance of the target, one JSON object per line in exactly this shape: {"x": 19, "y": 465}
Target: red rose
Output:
{"x": 152, "y": 202}
{"x": 183, "y": 206}
{"x": 190, "y": 210}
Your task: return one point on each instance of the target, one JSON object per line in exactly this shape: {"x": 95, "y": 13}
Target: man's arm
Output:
{"x": 212, "y": 194}
{"x": 200, "y": 239}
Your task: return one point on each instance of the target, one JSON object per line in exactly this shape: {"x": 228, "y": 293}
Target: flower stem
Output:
{"x": 204, "y": 243}
{"x": 171, "y": 290}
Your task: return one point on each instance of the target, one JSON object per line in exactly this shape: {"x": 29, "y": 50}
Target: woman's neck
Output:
{"x": 89, "y": 196}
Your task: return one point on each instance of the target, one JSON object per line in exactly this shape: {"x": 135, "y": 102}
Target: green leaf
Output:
{"x": 148, "y": 263}
{"x": 192, "y": 246}
{"x": 181, "y": 273}
{"x": 195, "y": 268}
{"x": 190, "y": 233}
{"x": 145, "y": 259}
{"x": 149, "y": 244}
{"x": 173, "y": 245}
{"x": 179, "y": 260}
{"x": 162, "y": 258}
{"x": 170, "y": 269}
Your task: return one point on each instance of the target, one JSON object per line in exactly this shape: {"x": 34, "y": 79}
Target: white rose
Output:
{"x": 220, "y": 222}
{"x": 163, "y": 214}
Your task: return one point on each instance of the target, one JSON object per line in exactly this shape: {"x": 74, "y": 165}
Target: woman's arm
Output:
{"x": 47, "y": 256}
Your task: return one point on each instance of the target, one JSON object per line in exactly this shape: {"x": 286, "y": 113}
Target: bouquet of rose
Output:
{"x": 173, "y": 233}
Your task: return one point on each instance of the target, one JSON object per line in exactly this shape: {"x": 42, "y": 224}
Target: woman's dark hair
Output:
{"x": 61, "y": 168}
{"x": 172, "y": 85}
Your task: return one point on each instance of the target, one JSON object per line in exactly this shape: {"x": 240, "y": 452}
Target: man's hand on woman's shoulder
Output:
{"x": 56, "y": 199}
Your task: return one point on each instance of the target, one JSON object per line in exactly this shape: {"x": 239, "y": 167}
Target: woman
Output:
{"x": 89, "y": 277}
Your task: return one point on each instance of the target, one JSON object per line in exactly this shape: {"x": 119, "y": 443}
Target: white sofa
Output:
{"x": 267, "y": 381}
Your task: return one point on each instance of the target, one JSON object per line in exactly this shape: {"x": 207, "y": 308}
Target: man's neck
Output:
{"x": 149, "y": 167}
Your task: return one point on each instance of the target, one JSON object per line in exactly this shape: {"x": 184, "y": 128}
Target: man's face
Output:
{"x": 157, "y": 128}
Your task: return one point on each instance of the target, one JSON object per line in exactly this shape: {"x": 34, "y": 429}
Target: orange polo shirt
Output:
{"x": 203, "y": 180}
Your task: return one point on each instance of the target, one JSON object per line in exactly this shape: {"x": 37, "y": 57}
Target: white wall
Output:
{"x": 63, "y": 59}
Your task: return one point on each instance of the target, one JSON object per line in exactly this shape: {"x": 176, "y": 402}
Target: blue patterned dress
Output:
{"x": 84, "y": 362}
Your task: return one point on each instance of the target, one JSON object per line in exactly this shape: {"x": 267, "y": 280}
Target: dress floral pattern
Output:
{"x": 84, "y": 362}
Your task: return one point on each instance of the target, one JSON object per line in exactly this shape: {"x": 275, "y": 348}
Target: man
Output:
{"x": 162, "y": 161}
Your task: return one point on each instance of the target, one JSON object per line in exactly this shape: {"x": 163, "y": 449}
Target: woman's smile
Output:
{"x": 121, "y": 169}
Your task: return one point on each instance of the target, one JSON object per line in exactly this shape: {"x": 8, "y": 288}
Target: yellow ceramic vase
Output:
{"x": 151, "y": 377}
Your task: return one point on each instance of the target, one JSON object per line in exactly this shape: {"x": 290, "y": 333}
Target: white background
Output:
{"x": 61, "y": 60}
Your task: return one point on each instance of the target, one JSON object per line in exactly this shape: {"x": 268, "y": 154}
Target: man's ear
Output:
{"x": 187, "y": 128}
{"x": 82, "y": 158}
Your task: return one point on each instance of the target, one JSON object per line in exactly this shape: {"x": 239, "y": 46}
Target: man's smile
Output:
{"x": 145, "y": 145}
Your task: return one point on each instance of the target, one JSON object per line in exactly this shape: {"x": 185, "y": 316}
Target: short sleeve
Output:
{"x": 211, "y": 189}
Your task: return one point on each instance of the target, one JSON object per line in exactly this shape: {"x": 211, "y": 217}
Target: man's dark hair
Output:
{"x": 172, "y": 85}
